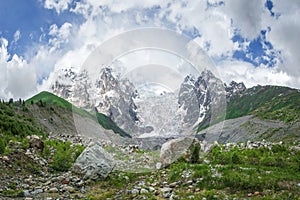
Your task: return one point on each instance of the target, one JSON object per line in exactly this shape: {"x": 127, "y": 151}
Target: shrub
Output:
{"x": 62, "y": 160}
{"x": 2, "y": 146}
{"x": 195, "y": 153}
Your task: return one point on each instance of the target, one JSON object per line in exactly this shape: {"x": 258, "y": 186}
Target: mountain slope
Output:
{"x": 261, "y": 112}
{"x": 266, "y": 102}
{"x": 47, "y": 99}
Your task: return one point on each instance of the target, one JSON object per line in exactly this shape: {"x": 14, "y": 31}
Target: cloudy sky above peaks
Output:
{"x": 255, "y": 41}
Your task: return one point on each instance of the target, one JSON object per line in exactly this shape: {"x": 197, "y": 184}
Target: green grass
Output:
{"x": 44, "y": 99}
{"x": 267, "y": 102}
{"x": 15, "y": 126}
{"x": 65, "y": 154}
{"x": 107, "y": 123}
{"x": 230, "y": 173}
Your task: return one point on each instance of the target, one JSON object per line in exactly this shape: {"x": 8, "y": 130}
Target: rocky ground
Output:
{"x": 25, "y": 174}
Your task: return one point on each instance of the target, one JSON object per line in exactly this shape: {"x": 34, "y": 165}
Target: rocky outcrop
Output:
{"x": 36, "y": 142}
{"x": 94, "y": 162}
{"x": 174, "y": 149}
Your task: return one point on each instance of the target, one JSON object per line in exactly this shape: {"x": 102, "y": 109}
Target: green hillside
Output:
{"x": 46, "y": 98}
{"x": 14, "y": 125}
{"x": 266, "y": 102}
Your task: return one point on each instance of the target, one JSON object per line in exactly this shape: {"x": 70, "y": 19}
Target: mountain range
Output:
{"x": 203, "y": 104}
{"x": 216, "y": 111}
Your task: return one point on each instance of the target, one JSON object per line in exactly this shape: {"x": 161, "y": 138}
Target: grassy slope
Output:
{"x": 236, "y": 173}
{"x": 48, "y": 98}
{"x": 14, "y": 126}
{"x": 267, "y": 102}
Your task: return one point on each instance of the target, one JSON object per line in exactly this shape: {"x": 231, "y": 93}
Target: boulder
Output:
{"x": 94, "y": 162}
{"x": 174, "y": 149}
{"x": 35, "y": 142}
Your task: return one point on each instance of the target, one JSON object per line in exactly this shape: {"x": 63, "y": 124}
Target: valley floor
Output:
{"x": 231, "y": 171}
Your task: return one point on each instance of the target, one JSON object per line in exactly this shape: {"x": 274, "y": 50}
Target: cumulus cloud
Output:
{"x": 284, "y": 35}
{"x": 59, "y": 35}
{"x": 17, "y": 77}
{"x": 246, "y": 16}
{"x": 58, "y": 5}
{"x": 212, "y": 24}
{"x": 245, "y": 72}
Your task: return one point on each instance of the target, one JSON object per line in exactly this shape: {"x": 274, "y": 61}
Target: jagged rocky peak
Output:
{"x": 234, "y": 88}
{"x": 202, "y": 98}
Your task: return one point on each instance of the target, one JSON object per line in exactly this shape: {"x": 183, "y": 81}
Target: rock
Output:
{"x": 5, "y": 158}
{"x": 173, "y": 149}
{"x": 65, "y": 182}
{"x": 144, "y": 191}
{"x": 53, "y": 190}
{"x": 82, "y": 190}
{"x": 166, "y": 189}
{"x": 80, "y": 183}
{"x": 94, "y": 162}
{"x": 158, "y": 165}
{"x": 174, "y": 184}
{"x": 26, "y": 193}
{"x": 35, "y": 142}
{"x": 68, "y": 189}
{"x": 151, "y": 189}
{"x": 135, "y": 191}
{"x": 37, "y": 191}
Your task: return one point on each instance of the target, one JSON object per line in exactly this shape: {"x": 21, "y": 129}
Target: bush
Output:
{"x": 62, "y": 160}
{"x": 195, "y": 153}
{"x": 65, "y": 154}
{"x": 2, "y": 146}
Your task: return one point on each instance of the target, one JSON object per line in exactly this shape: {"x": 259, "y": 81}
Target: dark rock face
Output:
{"x": 234, "y": 88}
{"x": 202, "y": 98}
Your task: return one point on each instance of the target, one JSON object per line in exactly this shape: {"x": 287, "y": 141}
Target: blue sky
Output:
{"x": 251, "y": 41}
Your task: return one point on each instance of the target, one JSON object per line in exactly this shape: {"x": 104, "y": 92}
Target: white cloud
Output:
{"x": 284, "y": 36}
{"x": 246, "y": 16}
{"x": 58, "y": 5}
{"x": 17, "y": 78}
{"x": 59, "y": 35}
{"x": 17, "y": 36}
{"x": 240, "y": 71}
{"x": 70, "y": 44}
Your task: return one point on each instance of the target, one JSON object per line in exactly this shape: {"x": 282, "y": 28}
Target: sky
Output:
{"x": 255, "y": 42}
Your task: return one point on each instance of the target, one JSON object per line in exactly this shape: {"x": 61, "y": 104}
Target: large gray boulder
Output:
{"x": 94, "y": 162}
{"x": 174, "y": 149}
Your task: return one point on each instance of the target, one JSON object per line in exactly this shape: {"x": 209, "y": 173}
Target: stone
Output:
{"x": 26, "y": 193}
{"x": 166, "y": 190}
{"x": 174, "y": 149}
{"x": 69, "y": 189}
{"x": 37, "y": 191}
{"x": 151, "y": 189}
{"x": 135, "y": 191}
{"x": 158, "y": 165}
{"x": 94, "y": 162}
{"x": 35, "y": 142}
{"x": 53, "y": 190}
{"x": 172, "y": 185}
{"x": 144, "y": 191}
{"x": 5, "y": 158}
{"x": 65, "y": 182}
